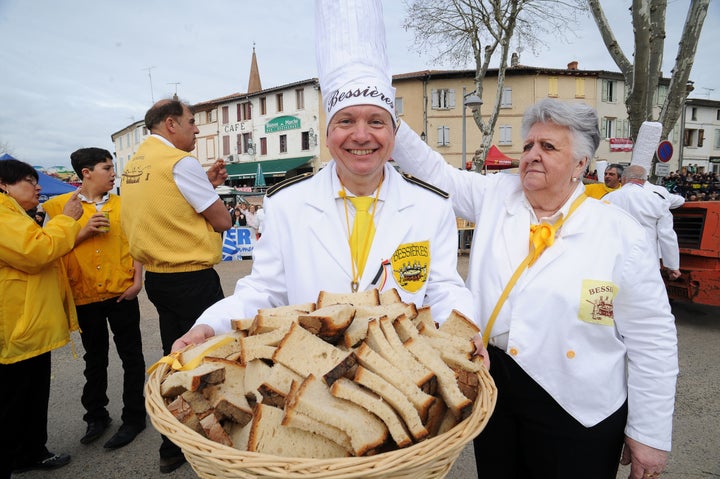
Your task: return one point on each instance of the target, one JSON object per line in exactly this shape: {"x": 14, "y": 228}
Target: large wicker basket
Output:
{"x": 428, "y": 459}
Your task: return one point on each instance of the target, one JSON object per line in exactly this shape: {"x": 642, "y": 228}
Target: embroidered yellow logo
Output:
{"x": 596, "y": 302}
{"x": 411, "y": 265}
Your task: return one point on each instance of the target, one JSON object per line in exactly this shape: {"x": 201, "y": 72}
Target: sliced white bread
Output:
{"x": 395, "y": 398}
{"x": 192, "y": 380}
{"x": 395, "y": 376}
{"x": 269, "y": 436}
{"x": 306, "y": 354}
{"x": 370, "y": 297}
{"x": 313, "y": 398}
{"x": 228, "y": 398}
{"x": 346, "y": 389}
{"x": 328, "y": 322}
{"x": 390, "y": 296}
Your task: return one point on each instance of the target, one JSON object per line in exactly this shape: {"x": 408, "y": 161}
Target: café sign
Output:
{"x": 282, "y": 123}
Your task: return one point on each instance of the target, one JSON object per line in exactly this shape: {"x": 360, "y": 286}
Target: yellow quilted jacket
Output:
{"x": 37, "y": 311}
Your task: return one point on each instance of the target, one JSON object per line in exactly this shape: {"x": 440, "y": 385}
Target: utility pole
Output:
{"x": 152, "y": 95}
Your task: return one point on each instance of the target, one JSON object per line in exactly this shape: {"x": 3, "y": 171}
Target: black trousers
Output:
{"x": 180, "y": 298}
{"x": 531, "y": 436}
{"x": 124, "y": 321}
{"x": 24, "y": 412}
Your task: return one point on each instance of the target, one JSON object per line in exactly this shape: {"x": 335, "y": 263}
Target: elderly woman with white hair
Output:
{"x": 582, "y": 341}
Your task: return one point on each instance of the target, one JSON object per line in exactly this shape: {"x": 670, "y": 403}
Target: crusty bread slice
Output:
{"x": 357, "y": 331}
{"x": 390, "y": 296}
{"x": 192, "y": 380}
{"x": 403, "y": 359}
{"x": 198, "y": 402}
{"x": 276, "y": 386}
{"x": 458, "y": 403}
{"x": 457, "y": 324}
{"x": 298, "y": 420}
{"x": 346, "y": 389}
{"x": 328, "y": 322}
{"x": 266, "y": 322}
{"x": 395, "y": 376}
{"x": 289, "y": 308}
{"x": 448, "y": 422}
{"x": 182, "y": 411}
{"x": 240, "y": 435}
{"x": 228, "y": 398}
{"x": 444, "y": 340}
{"x": 424, "y": 316}
{"x": 261, "y": 345}
{"x": 395, "y": 398}
{"x": 371, "y": 297}
{"x": 306, "y": 354}
{"x": 468, "y": 381}
{"x": 313, "y": 398}
{"x": 214, "y": 430}
{"x": 269, "y": 436}
{"x": 241, "y": 324}
{"x": 255, "y": 373}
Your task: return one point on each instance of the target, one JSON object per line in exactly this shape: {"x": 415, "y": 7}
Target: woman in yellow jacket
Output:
{"x": 36, "y": 316}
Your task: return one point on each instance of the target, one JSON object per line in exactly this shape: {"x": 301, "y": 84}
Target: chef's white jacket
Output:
{"x": 653, "y": 214}
{"x": 304, "y": 249}
{"x": 590, "y": 320}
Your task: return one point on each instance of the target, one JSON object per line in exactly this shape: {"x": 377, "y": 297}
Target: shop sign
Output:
{"x": 282, "y": 123}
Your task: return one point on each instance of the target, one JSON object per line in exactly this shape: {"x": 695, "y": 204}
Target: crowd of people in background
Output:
{"x": 693, "y": 186}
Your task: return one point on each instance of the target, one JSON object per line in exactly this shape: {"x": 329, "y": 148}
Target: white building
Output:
{"x": 700, "y": 146}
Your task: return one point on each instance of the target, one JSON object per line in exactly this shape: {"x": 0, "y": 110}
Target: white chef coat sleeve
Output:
{"x": 667, "y": 239}
{"x": 416, "y": 158}
{"x": 446, "y": 289}
{"x": 647, "y": 328}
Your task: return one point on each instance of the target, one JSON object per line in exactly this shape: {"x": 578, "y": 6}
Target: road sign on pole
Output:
{"x": 665, "y": 151}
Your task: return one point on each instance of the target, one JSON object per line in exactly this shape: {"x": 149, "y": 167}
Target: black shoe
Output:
{"x": 52, "y": 461}
{"x": 125, "y": 435}
{"x": 169, "y": 464}
{"x": 95, "y": 429}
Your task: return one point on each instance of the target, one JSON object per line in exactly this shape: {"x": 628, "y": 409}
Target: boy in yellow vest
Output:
{"x": 105, "y": 282}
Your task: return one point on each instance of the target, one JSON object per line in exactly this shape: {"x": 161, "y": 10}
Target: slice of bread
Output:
{"x": 219, "y": 346}
{"x": 328, "y": 322}
{"x": 228, "y": 398}
{"x": 313, "y": 398}
{"x": 346, "y": 389}
{"x": 269, "y": 436}
{"x": 458, "y": 403}
{"x": 459, "y": 325}
{"x": 395, "y": 398}
{"x": 192, "y": 380}
{"x": 390, "y": 296}
{"x": 371, "y": 297}
{"x": 372, "y": 361}
{"x": 306, "y": 354}
{"x": 214, "y": 430}
{"x": 394, "y": 351}
{"x": 182, "y": 411}
{"x": 298, "y": 420}
{"x": 241, "y": 324}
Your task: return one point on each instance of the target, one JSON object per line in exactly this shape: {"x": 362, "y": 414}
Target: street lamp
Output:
{"x": 473, "y": 101}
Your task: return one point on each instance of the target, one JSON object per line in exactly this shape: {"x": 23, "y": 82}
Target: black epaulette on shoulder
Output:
{"x": 427, "y": 186}
{"x": 285, "y": 183}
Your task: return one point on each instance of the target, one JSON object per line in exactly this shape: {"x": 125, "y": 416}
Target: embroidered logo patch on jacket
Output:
{"x": 411, "y": 265}
{"x": 596, "y": 302}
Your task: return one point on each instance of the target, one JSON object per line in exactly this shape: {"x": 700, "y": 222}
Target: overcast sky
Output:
{"x": 76, "y": 71}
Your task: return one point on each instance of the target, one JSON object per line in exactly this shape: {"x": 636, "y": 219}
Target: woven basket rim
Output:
{"x": 197, "y": 447}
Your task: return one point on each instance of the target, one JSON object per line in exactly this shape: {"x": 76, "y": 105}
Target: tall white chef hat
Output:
{"x": 646, "y": 144}
{"x": 351, "y": 56}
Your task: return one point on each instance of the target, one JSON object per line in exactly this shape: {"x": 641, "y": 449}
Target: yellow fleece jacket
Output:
{"x": 37, "y": 311}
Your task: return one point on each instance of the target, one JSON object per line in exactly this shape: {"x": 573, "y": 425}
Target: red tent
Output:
{"x": 497, "y": 160}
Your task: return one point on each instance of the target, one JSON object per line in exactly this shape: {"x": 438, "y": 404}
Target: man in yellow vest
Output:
{"x": 105, "y": 282}
{"x": 612, "y": 182}
{"x": 174, "y": 220}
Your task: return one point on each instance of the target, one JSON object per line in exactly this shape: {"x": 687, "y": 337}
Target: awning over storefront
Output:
{"x": 269, "y": 167}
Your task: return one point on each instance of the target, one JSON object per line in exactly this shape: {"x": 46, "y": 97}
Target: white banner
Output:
{"x": 238, "y": 243}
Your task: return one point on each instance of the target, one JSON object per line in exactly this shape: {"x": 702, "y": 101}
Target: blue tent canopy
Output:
{"x": 50, "y": 186}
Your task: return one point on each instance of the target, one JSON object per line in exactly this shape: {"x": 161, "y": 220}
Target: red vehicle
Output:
{"x": 697, "y": 224}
